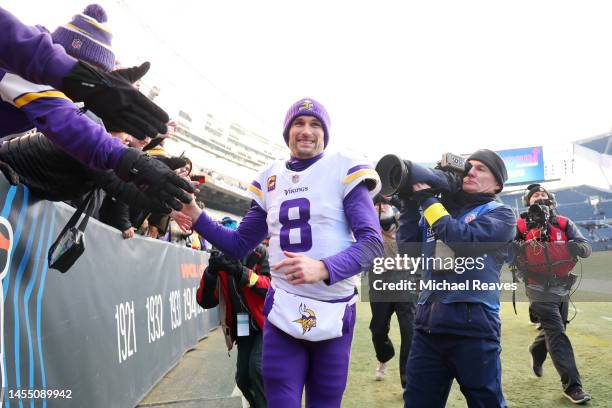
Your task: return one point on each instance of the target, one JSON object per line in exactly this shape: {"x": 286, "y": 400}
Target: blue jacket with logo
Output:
{"x": 478, "y": 230}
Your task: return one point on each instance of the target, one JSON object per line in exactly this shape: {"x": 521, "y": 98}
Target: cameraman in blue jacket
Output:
{"x": 457, "y": 325}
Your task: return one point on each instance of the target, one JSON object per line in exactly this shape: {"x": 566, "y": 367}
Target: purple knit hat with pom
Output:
{"x": 86, "y": 38}
{"x": 307, "y": 107}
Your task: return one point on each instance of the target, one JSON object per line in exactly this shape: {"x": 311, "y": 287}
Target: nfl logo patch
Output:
{"x": 76, "y": 43}
{"x": 271, "y": 183}
{"x": 295, "y": 178}
{"x": 469, "y": 218}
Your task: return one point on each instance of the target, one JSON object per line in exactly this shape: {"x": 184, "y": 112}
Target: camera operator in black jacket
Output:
{"x": 546, "y": 248}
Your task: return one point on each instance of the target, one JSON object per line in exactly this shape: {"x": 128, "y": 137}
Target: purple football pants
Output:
{"x": 290, "y": 364}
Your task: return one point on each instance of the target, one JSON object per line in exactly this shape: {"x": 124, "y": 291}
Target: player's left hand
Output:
{"x": 299, "y": 268}
{"x": 192, "y": 210}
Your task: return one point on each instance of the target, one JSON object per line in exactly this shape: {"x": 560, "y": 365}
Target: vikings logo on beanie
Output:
{"x": 86, "y": 38}
{"x": 307, "y": 107}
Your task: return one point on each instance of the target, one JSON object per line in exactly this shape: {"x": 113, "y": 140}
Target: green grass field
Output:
{"x": 590, "y": 333}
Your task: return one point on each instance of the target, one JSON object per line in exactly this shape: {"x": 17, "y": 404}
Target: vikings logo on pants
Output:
{"x": 308, "y": 319}
{"x": 6, "y": 245}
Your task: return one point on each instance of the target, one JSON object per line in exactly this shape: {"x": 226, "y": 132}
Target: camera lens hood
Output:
{"x": 393, "y": 173}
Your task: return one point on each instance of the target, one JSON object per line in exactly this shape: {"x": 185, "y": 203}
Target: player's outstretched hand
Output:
{"x": 183, "y": 220}
{"x": 299, "y": 268}
{"x": 192, "y": 210}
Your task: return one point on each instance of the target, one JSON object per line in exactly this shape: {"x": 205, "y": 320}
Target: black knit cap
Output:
{"x": 535, "y": 188}
{"x": 494, "y": 163}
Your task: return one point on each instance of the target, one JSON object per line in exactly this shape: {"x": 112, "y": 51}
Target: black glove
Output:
{"x": 219, "y": 262}
{"x": 128, "y": 193}
{"x": 574, "y": 248}
{"x": 133, "y": 74}
{"x": 214, "y": 261}
{"x": 155, "y": 179}
{"x": 172, "y": 162}
{"x": 231, "y": 267}
{"x": 113, "y": 98}
{"x": 422, "y": 195}
{"x": 134, "y": 198}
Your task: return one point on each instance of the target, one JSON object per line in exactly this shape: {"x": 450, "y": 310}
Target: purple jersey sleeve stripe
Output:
{"x": 359, "y": 167}
{"x": 256, "y": 184}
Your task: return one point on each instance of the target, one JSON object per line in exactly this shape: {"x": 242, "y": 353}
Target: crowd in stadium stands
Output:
{"x": 224, "y": 180}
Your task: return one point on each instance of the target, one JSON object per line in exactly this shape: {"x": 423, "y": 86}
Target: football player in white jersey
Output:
{"x": 317, "y": 209}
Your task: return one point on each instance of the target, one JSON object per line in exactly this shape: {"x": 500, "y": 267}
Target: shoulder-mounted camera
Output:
{"x": 539, "y": 215}
{"x": 397, "y": 175}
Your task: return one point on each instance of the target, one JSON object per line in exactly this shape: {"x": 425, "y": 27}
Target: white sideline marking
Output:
{"x": 606, "y": 318}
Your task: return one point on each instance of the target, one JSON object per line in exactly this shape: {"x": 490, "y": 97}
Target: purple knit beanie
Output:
{"x": 87, "y": 39}
{"x": 307, "y": 107}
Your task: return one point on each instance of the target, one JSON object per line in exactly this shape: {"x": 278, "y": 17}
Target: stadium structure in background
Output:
{"x": 580, "y": 176}
{"x": 579, "y": 173}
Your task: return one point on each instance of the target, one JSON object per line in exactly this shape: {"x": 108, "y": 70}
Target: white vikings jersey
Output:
{"x": 306, "y": 215}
